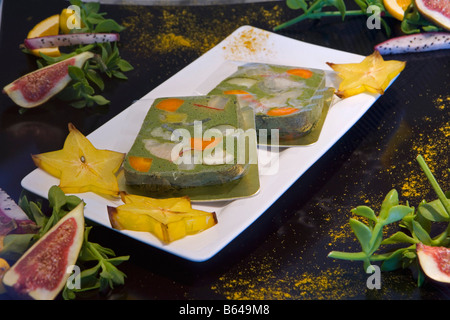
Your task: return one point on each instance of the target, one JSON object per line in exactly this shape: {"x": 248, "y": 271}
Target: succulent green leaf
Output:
{"x": 124, "y": 65}
{"x": 297, "y": 4}
{"x": 394, "y": 261}
{"x": 397, "y": 213}
{"x": 421, "y": 234}
{"x": 108, "y": 25}
{"x": 433, "y": 211}
{"x": 354, "y": 256}
{"x": 389, "y": 201}
{"x": 363, "y": 234}
{"x": 366, "y": 212}
{"x": 14, "y": 245}
{"x": 93, "y": 76}
{"x": 76, "y": 73}
{"x": 399, "y": 237}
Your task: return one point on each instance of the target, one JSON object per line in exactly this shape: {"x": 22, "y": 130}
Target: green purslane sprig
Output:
{"x": 416, "y": 223}
{"x": 413, "y": 22}
{"x": 103, "y": 275}
{"x": 314, "y": 9}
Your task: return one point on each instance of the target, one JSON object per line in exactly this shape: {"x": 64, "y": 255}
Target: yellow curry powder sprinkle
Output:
{"x": 434, "y": 150}
{"x": 247, "y": 43}
{"x": 272, "y": 284}
{"x": 310, "y": 278}
{"x": 171, "y": 29}
{"x": 442, "y": 102}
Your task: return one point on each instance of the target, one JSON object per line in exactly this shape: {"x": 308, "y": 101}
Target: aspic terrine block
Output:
{"x": 284, "y": 98}
{"x": 187, "y": 142}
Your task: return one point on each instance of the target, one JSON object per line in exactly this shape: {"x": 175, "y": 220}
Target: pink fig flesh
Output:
{"x": 42, "y": 271}
{"x": 37, "y": 87}
{"x": 436, "y": 11}
{"x": 435, "y": 262}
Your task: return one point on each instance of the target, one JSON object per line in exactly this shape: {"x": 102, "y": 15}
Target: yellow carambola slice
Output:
{"x": 169, "y": 218}
{"x": 152, "y": 215}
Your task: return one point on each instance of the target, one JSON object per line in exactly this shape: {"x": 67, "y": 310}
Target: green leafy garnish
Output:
{"x": 104, "y": 275}
{"x": 417, "y": 223}
{"x": 87, "y": 82}
{"x": 314, "y": 9}
{"x": 413, "y": 21}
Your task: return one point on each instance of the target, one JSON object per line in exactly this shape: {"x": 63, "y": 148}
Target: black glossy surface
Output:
{"x": 283, "y": 255}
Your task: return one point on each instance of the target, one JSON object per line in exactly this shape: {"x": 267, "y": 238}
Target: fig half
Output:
{"x": 37, "y": 87}
{"x": 435, "y": 262}
{"x": 437, "y": 11}
{"x": 42, "y": 271}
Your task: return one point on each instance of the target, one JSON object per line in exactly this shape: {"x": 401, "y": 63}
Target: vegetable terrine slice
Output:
{"x": 284, "y": 98}
{"x": 189, "y": 142}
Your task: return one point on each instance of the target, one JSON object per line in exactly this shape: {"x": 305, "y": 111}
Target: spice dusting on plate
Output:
{"x": 177, "y": 28}
{"x": 248, "y": 43}
{"x": 266, "y": 283}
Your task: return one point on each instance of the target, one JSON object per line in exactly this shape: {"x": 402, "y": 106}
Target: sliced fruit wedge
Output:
{"x": 166, "y": 225}
{"x": 397, "y": 8}
{"x": 373, "y": 75}
{"x": 47, "y": 27}
{"x": 37, "y": 87}
{"x": 69, "y": 40}
{"x": 435, "y": 262}
{"x": 41, "y": 272}
{"x": 427, "y": 41}
{"x": 174, "y": 204}
{"x": 436, "y": 11}
{"x": 81, "y": 167}
{"x": 168, "y": 219}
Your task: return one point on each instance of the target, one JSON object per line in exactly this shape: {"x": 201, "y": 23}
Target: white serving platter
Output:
{"x": 279, "y": 169}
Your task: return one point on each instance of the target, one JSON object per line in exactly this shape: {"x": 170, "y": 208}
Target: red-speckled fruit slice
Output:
{"x": 41, "y": 273}
{"x": 37, "y": 87}
{"x": 435, "y": 262}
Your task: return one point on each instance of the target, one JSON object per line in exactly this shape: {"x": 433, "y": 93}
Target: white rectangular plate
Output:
{"x": 277, "y": 175}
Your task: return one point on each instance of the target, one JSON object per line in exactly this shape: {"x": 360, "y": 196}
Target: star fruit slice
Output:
{"x": 166, "y": 225}
{"x": 373, "y": 75}
{"x": 168, "y": 219}
{"x": 81, "y": 167}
